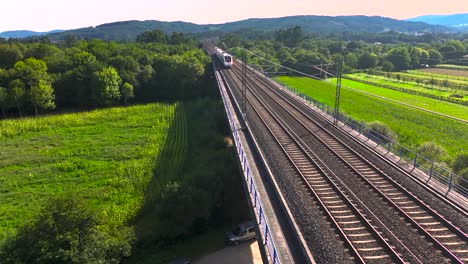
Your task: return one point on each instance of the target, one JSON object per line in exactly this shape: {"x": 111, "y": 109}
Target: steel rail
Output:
{"x": 398, "y": 186}
{"x": 314, "y": 161}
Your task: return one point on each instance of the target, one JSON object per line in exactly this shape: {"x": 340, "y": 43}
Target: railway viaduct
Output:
{"x": 323, "y": 192}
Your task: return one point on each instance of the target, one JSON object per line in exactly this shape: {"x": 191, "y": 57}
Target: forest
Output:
{"x": 391, "y": 51}
{"x": 82, "y": 74}
{"x": 113, "y": 152}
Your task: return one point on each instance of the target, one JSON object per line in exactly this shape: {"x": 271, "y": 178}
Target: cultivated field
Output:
{"x": 106, "y": 156}
{"x": 435, "y": 92}
{"x": 452, "y": 67}
{"x": 441, "y": 73}
{"x": 413, "y": 127}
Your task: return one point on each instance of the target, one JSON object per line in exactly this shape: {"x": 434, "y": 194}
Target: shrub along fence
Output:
{"x": 409, "y": 160}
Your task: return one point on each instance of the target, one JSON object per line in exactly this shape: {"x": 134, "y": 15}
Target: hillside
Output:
{"x": 128, "y": 30}
{"x": 25, "y": 33}
{"x": 457, "y": 21}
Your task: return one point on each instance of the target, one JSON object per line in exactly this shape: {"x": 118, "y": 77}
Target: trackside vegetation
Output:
{"x": 412, "y": 127}
{"x": 96, "y": 183}
{"x": 98, "y": 163}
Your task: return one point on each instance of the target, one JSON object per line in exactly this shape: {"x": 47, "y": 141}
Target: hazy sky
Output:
{"x": 44, "y": 15}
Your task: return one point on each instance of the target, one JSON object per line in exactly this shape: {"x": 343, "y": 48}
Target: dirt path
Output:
{"x": 245, "y": 253}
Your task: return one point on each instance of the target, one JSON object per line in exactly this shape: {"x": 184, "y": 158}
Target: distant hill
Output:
{"x": 456, "y": 20}
{"x": 128, "y": 30}
{"x": 25, "y": 33}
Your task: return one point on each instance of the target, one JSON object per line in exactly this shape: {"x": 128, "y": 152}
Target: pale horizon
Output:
{"x": 49, "y": 15}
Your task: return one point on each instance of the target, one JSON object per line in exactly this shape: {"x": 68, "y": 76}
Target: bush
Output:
{"x": 460, "y": 163}
{"x": 464, "y": 175}
{"x": 432, "y": 151}
{"x": 380, "y": 131}
{"x": 66, "y": 232}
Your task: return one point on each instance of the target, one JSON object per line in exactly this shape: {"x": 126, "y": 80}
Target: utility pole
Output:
{"x": 338, "y": 88}
{"x": 244, "y": 86}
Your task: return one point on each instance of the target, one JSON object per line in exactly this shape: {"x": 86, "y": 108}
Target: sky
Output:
{"x": 45, "y": 15}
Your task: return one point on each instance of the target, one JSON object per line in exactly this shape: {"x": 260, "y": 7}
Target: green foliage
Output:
{"x": 42, "y": 96}
{"x": 432, "y": 151}
{"x": 105, "y": 156}
{"x": 290, "y": 37}
{"x": 105, "y": 87}
{"x": 464, "y": 175}
{"x": 460, "y": 163}
{"x": 9, "y": 55}
{"x": 381, "y": 131}
{"x": 411, "y": 126}
{"x": 127, "y": 92}
{"x": 156, "y": 36}
{"x": 66, "y": 231}
{"x": 388, "y": 66}
{"x": 368, "y": 60}
{"x": 3, "y": 99}
{"x": 400, "y": 58}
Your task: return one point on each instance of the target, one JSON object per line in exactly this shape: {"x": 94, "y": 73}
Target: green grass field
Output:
{"x": 412, "y": 126}
{"x": 451, "y": 66}
{"x": 447, "y": 108}
{"x": 107, "y": 156}
{"x": 439, "y": 74}
{"x": 443, "y": 94}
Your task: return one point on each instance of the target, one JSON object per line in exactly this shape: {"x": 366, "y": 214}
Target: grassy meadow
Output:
{"x": 431, "y": 104}
{"x": 105, "y": 156}
{"x": 413, "y": 127}
{"x": 438, "y": 92}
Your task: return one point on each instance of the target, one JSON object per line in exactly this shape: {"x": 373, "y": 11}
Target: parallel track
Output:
{"x": 449, "y": 238}
{"x": 365, "y": 241}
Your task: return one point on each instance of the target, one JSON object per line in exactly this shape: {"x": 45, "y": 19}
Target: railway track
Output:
{"x": 364, "y": 240}
{"x": 449, "y": 238}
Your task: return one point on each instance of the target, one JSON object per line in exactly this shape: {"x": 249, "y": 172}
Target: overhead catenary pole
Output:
{"x": 244, "y": 86}
{"x": 338, "y": 88}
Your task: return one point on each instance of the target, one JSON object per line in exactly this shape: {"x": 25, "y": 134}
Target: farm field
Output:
{"x": 446, "y": 108}
{"x": 413, "y": 127}
{"x": 411, "y": 87}
{"x": 105, "y": 156}
{"x": 441, "y": 73}
{"x": 452, "y": 67}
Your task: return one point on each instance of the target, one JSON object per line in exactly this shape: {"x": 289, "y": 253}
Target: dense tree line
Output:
{"x": 91, "y": 73}
{"x": 388, "y": 51}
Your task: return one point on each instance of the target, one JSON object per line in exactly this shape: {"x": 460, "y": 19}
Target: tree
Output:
{"x": 368, "y": 60}
{"x": 31, "y": 71}
{"x": 291, "y": 37}
{"x": 17, "y": 93}
{"x": 105, "y": 86}
{"x": 3, "y": 99}
{"x": 127, "y": 92}
{"x": 152, "y": 36}
{"x": 42, "y": 96}
{"x": 66, "y": 231}
{"x": 351, "y": 60}
{"x": 9, "y": 55}
{"x": 400, "y": 58}
{"x": 388, "y": 66}
{"x": 435, "y": 57}
{"x": 231, "y": 40}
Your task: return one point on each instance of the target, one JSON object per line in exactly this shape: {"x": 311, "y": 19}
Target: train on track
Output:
{"x": 224, "y": 57}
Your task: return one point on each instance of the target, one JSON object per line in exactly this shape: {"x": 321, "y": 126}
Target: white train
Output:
{"x": 224, "y": 57}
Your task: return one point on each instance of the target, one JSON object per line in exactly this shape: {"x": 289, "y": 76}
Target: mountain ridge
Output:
{"x": 454, "y": 20}
{"x": 128, "y": 30}
{"x": 26, "y": 33}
